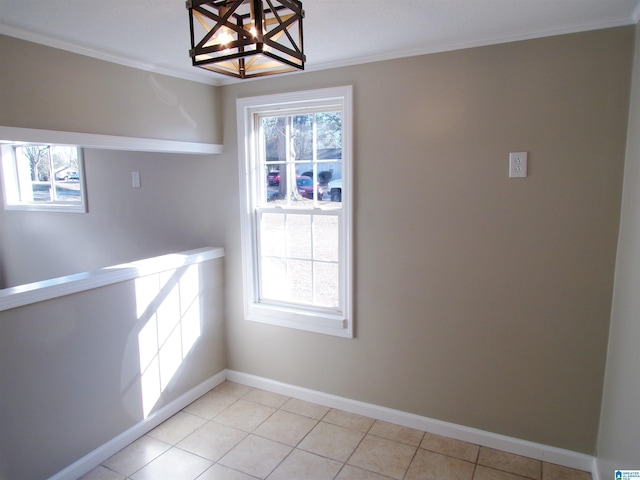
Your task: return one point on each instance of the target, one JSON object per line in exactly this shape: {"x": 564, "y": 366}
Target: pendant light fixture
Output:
{"x": 246, "y": 38}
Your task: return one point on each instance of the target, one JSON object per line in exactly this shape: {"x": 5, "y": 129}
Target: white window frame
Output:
{"x": 295, "y": 316}
{"x": 11, "y": 182}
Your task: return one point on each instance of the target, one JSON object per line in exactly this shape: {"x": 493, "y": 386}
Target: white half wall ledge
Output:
{"x": 105, "y": 142}
{"x": 549, "y": 454}
{"x": 27, "y": 294}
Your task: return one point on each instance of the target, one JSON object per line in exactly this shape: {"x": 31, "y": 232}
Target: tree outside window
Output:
{"x": 43, "y": 177}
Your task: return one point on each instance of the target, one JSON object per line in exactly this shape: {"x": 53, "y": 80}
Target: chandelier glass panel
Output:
{"x": 246, "y": 38}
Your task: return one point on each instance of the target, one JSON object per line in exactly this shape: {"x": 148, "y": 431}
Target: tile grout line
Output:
{"x": 277, "y": 409}
{"x": 252, "y": 433}
{"x": 212, "y": 421}
{"x": 346, "y": 462}
{"x": 292, "y": 448}
{"x": 415, "y": 454}
{"x": 297, "y": 446}
{"x": 207, "y": 422}
{"x": 475, "y": 463}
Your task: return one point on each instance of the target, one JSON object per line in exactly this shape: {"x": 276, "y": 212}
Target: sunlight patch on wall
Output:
{"x": 168, "y": 307}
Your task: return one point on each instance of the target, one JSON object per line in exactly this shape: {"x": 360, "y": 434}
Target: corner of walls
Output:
{"x": 92, "y": 348}
{"x": 106, "y": 450}
{"x": 617, "y": 442}
{"x": 3, "y": 281}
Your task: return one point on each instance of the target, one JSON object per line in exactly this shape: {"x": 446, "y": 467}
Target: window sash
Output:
{"x": 253, "y": 164}
{"x": 289, "y": 164}
{"x": 315, "y": 260}
{"x": 19, "y": 187}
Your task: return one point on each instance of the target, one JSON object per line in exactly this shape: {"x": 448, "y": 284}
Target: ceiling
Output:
{"x": 154, "y": 34}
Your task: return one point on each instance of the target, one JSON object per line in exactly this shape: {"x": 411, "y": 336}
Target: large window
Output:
{"x": 295, "y": 160}
{"x": 42, "y": 177}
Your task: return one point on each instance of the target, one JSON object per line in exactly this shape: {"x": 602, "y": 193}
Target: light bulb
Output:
{"x": 224, "y": 37}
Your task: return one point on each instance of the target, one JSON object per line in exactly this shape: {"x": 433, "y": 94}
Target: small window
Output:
{"x": 295, "y": 159}
{"x": 43, "y": 177}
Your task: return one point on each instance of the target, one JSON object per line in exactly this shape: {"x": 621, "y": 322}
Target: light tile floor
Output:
{"x": 235, "y": 432}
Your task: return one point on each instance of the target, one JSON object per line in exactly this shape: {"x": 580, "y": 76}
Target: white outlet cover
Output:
{"x": 517, "y": 164}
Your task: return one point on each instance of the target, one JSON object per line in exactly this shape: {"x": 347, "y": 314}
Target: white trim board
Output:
{"x": 595, "y": 471}
{"x": 113, "y": 446}
{"x": 27, "y": 294}
{"x": 107, "y": 142}
{"x": 538, "y": 451}
{"x": 516, "y": 446}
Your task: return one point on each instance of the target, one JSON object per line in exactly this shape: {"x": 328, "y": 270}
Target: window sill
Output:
{"x": 305, "y": 320}
{"x": 46, "y": 207}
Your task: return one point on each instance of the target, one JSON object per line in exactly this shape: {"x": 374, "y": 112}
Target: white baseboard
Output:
{"x": 516, "y": 446}
{"x": 113, "y": 446}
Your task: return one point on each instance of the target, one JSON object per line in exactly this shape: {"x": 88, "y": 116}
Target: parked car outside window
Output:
{"x": 333, "y": 191}
{"x": 305, "y": 186}
{"x": 273, "y": 178}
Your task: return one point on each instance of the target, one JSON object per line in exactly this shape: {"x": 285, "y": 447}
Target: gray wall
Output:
{"x": 170, "y": 212}
{"x": 47, "y": 88}
{"x": 51, "y": 89}
{"x": 619, "y": 439}
{"x": 70, "y": 372}
{"x": 69, "y": 367}
{"x": 480, "y": 300}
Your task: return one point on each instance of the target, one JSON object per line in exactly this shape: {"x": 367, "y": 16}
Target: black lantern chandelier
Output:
{"x": 246, "y": 38}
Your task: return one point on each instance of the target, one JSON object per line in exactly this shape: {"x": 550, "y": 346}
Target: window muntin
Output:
{"x": 43, "y": 177}
{"x": 296, "y": 230}
{"x": 299, "y": 151}
{"x": 299, "y": 259}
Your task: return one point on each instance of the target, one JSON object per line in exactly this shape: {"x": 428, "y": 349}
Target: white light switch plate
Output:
{"x": 135, "y": 179}
{"x": 517, "y": 164}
